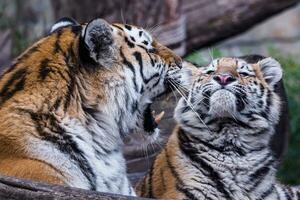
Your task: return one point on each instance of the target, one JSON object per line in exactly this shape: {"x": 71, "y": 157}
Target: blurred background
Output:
{"x": 195, "y": 29}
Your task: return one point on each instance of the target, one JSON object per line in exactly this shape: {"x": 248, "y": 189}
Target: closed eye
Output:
{"x": 152, "y": 50}
{"x": 244, "y": 74}
{"x": 209, "y": 72}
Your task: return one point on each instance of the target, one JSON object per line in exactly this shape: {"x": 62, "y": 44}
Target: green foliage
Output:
{"x": 9, "y": 20}
{"x": 204, "y": 58}
{"x": 289, "y": 172}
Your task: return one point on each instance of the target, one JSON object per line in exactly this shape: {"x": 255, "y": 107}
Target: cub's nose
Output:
{"x": 224, "y": 79}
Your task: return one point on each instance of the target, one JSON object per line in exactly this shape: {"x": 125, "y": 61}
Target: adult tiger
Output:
{"x": 67, "y": 102}
{"x": 221, "y": 146}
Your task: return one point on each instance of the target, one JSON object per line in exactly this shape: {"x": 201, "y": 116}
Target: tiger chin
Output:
{"x": 220, "y": 147}
{"x": 69, "y": 100}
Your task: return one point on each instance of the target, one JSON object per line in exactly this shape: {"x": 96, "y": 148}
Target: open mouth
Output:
{"x": 151, "y": 120}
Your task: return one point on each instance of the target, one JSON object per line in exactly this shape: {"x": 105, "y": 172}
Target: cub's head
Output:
{"x": 230, "y": 89}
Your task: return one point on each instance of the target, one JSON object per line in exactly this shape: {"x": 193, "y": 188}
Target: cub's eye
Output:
{"x": 152, "y": 50}
{"x": 244, "y": 74}
{"x": 209, "y": 72}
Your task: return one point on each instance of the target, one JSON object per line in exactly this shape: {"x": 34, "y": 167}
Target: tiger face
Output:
{"x": 150, "y": 65}
{"x": 230, "y": 89}
{"x": 134, "y": 50}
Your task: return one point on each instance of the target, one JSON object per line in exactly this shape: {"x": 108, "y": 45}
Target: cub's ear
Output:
{"x": 63, "y": 22}
{"x": 97, "y": 43}
{"x": 271, "y": 70}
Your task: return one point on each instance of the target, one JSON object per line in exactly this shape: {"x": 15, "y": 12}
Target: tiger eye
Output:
{"x": 152, "y": 50}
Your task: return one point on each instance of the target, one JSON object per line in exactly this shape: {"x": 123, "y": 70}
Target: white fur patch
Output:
{"x": 60, "y": 25}
{"x": 271, "y": 70}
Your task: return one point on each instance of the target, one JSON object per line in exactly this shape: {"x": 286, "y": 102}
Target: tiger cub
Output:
{"x": 68, "y": 101}
{"x": 220, "y": 147}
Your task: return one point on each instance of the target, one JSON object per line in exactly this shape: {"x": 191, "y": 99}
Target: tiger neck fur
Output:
{"x": 228, "y": 160}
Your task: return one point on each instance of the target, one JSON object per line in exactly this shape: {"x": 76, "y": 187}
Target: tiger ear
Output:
{"x": 63, "y": 22}
{"x": 98, "y": 43}
{"x": 271, "y": 70}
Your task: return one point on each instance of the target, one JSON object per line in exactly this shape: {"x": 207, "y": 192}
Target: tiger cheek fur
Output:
{"x": 68, "y": 101}
{"x": 220, "y": 147}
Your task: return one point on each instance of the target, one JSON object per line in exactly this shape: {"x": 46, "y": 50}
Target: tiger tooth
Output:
{"x": 159, "y": 117}
{"x": 153, "y": 113}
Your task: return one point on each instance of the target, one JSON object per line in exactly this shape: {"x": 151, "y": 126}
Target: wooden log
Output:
{"x": 16, "y": 189}
{"x": 199, "y": 23}
{"x": 211, "y": 21}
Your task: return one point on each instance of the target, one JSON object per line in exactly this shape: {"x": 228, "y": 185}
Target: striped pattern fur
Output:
{"x": 220, "y": 147}
{"x": 68, "y": 101}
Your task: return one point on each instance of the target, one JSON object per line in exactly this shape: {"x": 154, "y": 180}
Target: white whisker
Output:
{"x": 189, "y": 104}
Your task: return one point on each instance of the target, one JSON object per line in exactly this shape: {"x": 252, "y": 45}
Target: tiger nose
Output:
{"x": 224, "y": 79}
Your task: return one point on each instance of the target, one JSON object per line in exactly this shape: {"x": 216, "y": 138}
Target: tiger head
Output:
{"x": 149, "y": 66}
{"x": 132, "y": 48}
{"x": 232, "y": 92}
{"x": 95, "y": 69}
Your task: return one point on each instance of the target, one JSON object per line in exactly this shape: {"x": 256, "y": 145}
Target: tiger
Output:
{"x": 69, "y": 100}
{"x": 220, "y": 148}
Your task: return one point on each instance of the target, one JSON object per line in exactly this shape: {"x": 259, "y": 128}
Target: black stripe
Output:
{"x": 152, "y": 77}
{"x": 269, "y": 102}
{"x": 259, "y": 175}
{"x": 143, "y": 187}
{"x": 187, "y": 124}
{"x": 17, "y": 80}
{"x": 151, "y": 59}
{"x": 45, "y": 69}
{"x": 134, "y": 107}
{"x": 28, "y": 53}
{"x": 57, "y": 103}
{"x": 158, "y": 80}
{"x": 10, "y": 69}
{"x": 298, "y": 193}
{"x": 180, "y": 185}
{"x": 132, "y": 38}
{"x": 57, "y": 47}
{"x": 130, "y": 44}
{"x": 176, "y": 175}
{"x": 267, "y": 192}
{"x": 150, "y": 176}
{"x": 145, "y": 42}
{"x": 76, "y": 29}
{"x": 118, "y": 27}
{"x": 138, "y": 57}
{"x": 188, "y": 139}
{"x": 163, "y": 180}
{"x": 131, "y": 67}
{"x": 63, "y": 142}
{"x": 14, "y": 77}
{"x": 286, "y": 193}
{"x": 128, "y": 27}
{"x": 186, "y": 192}
{"x": 192, "y": 154}
{"x": 70, "y": 92}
